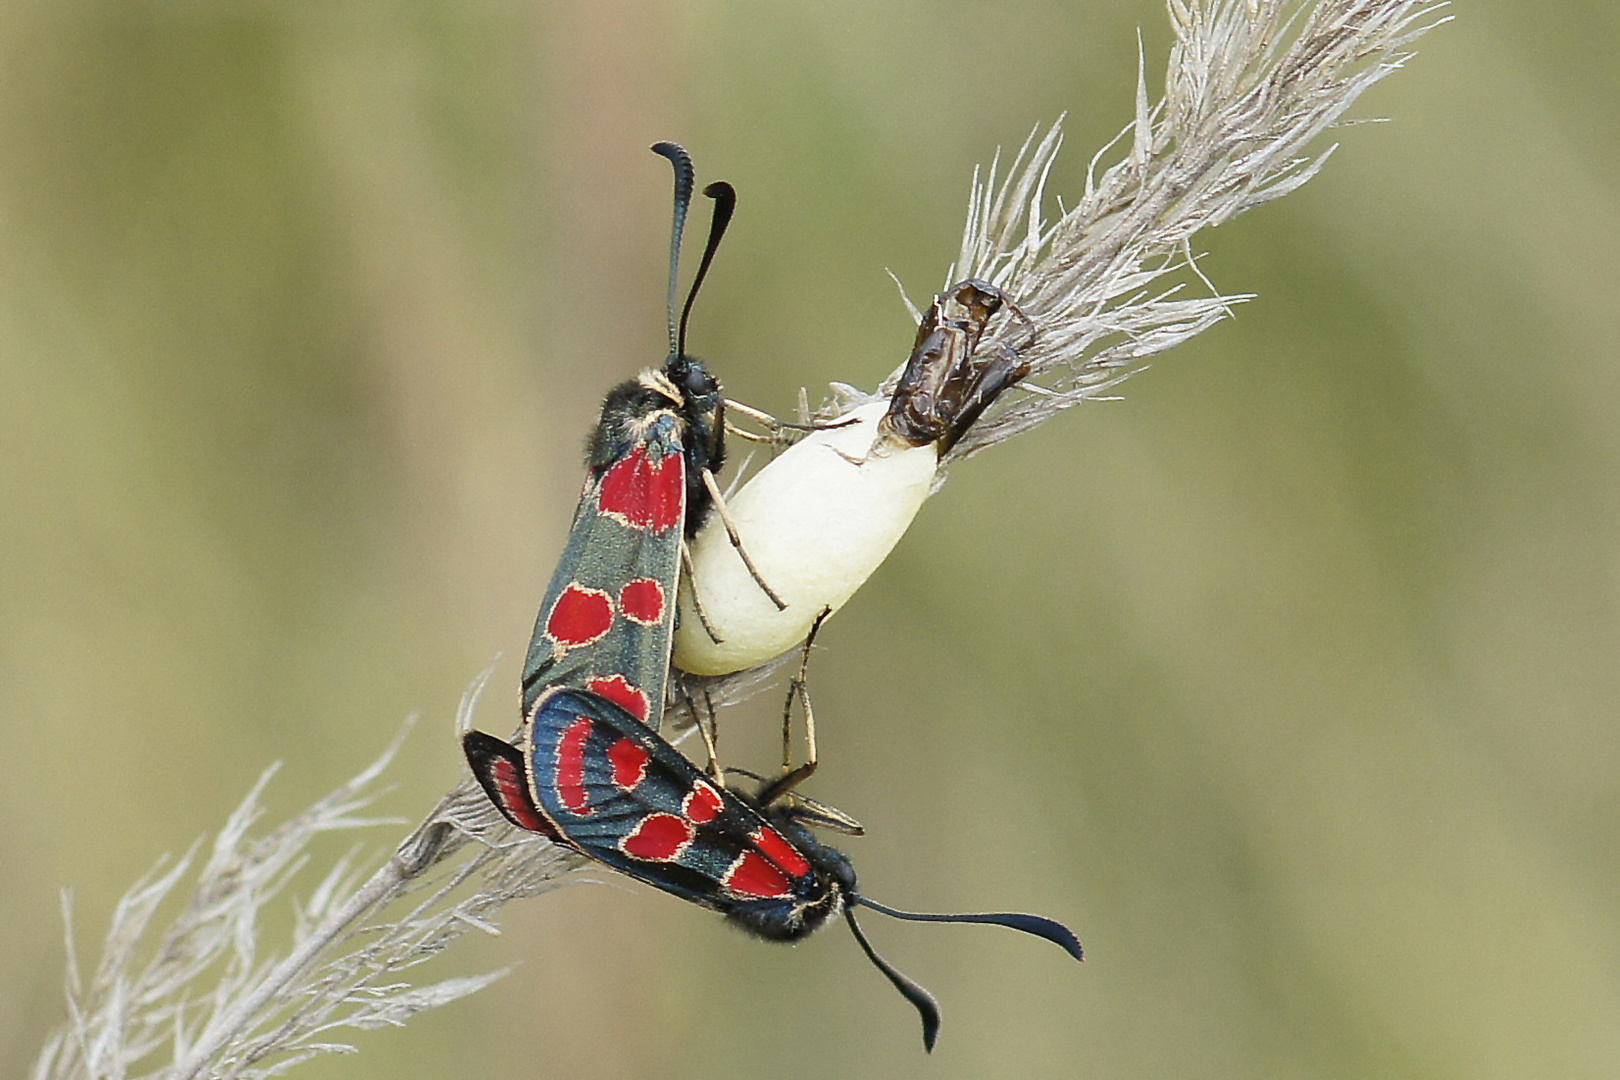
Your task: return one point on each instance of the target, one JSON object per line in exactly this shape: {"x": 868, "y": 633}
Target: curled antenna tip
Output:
{"x": 913, "y": 991}
{"x": 684, "y": 179}
{"x": 725, "y": 203}
{"x": 673, "y": 151}
{"x": 1038, "y": 925}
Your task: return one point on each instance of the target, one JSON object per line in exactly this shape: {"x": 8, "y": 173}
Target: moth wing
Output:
{"x": 608, "y": 619}
{"x": 503, "y": 773}
{"x": 621, "y": 794}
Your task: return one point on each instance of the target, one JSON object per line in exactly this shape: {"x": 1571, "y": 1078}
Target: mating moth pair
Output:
{"x": 590, "y": 770}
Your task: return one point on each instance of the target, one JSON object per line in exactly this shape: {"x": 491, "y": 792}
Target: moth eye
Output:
{"x": 698, "y": 381}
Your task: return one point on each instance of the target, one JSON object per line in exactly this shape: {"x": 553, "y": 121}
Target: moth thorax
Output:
{"x": 638, "y": 426}
{"x": 658, "y": 382}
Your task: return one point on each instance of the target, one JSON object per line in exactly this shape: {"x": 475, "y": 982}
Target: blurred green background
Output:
{"x": 1290, "y": 681}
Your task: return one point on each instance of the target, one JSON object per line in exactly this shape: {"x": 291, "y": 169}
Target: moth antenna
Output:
{"x": 684, "y": 181}
{"x": 913, "y": 992}
{"x": 725, "y": 203}
{"x": 1041, "y": 927}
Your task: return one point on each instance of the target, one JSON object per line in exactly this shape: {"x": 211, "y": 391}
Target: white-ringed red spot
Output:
{"x": 779, "y": 851}
{"x": 580, "y": 616}
{"x": 702, "y": 804}
{"x": 644, "y": 494}
{"x": 629, "y": 764}
{"x": 753, "y": 875}
{"x": 642, "y": 601}
{"x": 657, "y": 838}
{"x": 571, "y": 766}
{"x": 621, "y": 691}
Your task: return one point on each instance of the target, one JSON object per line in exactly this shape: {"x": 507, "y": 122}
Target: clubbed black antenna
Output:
{"x": 926, "y": 1006}
{"x": 1040, "y": 926}
{"x": 684, "y": 181}
{"x": 913, "y": 992}
{"x": 725, "y": 202}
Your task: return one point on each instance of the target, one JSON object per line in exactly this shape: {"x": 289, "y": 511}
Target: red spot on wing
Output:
{"x": 643, "y": 493}
{"x": 702, "y": 804}
{"x": 571, "y": 766}
{"x": 629, "y": 764}
{"x": 754, "y": 875}
{"x": 642, "y": 601}
{"x": 620, "y": 691}
{"x": 657, "y": 838}
{"x": 780, "y": 852}
{"x": 514, "y": 794}
{"x": 580, "y": 616}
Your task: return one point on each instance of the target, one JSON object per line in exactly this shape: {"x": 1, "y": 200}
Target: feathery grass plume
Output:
{"x": 1250, "y": 84}
{"x": 200, "y": 999}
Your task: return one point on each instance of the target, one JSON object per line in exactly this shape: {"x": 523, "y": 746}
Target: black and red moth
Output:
{"x": 600, "y": 781}
{"x": 608, "y": 617}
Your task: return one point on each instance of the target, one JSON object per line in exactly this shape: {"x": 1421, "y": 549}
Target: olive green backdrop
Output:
{"x": 1291, "y": 681}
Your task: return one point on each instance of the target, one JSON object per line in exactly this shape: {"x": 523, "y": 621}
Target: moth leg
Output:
{"x": 802, "y": 683}
{"x": 778, "y": 434}
{"x": 710, "y": 733}
{"x": 736, "y": 541}
{"x": 792, "y": 777}
{"x": 697, "y": 604}
{"x": 743, "y": 433}
{"x": 777, "y": 427}
{"x": 752, "y": 413}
